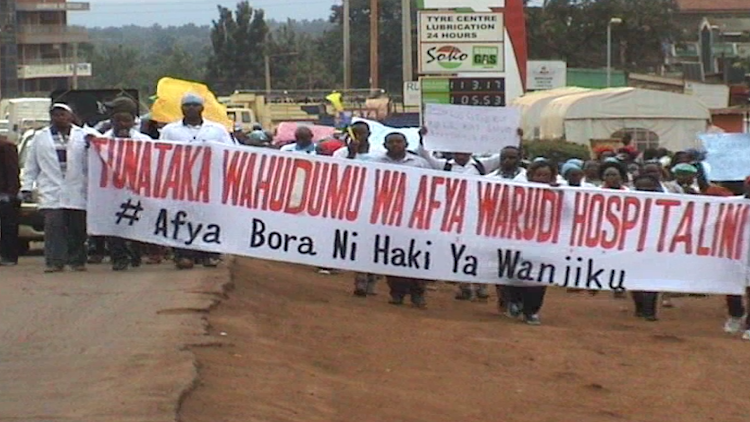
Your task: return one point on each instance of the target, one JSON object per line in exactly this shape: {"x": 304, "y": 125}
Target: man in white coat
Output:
{"x": 57, "y": 165}
{"x": 194, "y": 128}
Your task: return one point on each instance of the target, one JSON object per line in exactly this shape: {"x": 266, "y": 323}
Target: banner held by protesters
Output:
{"x": 412, "y": 222}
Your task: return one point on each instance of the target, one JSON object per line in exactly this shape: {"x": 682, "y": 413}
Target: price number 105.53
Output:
{"x": 488, "y": 100}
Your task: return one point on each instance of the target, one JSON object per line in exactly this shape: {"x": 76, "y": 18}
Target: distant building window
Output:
{"x": 643, "y": 139}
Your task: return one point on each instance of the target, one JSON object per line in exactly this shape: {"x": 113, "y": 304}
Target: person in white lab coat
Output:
{"x": 194, "y": 128}
{"x": 57, "y": 166}
{"x": 123, "y": 126}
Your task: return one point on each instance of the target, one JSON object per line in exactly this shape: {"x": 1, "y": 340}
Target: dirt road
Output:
{"x": 100, "y": 346}
{"x": 304, "y": 349}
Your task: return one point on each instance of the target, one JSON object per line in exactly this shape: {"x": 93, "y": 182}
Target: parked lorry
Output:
{"x": 24, "y": 114}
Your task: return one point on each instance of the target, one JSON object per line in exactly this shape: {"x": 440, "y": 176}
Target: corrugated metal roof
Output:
{"x": 713, "y": 5}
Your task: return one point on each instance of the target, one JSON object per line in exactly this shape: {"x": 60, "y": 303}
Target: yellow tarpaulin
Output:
{"x": 169, "y": 93}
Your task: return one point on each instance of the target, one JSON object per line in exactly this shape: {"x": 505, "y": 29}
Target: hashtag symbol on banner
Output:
{"x": 129, "y": 212}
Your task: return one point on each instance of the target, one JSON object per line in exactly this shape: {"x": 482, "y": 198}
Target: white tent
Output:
{"x": 675, "y": 118}
{"x": 533, "y": 103}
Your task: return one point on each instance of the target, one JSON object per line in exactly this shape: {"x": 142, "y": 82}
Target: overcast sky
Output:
{"x": 199, "y": 12}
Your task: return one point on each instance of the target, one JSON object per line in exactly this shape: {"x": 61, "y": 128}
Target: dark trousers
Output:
{"x": 98, "y": 246}
{"x": 402, "y": 286}
{"x": 9, "y": 214}
{"x": 736, "y": 308}
{"x": 645, "y": 303}
{"x": 508, "y": 294}
{"x": 194, "y": 255}
{"x": 120, "y": 251}
{"x": 531, "y": 299}
{"x": 64, "y": 237}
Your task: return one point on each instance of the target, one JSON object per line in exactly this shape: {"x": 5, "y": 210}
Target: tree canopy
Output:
{"x": 230, "y": 53}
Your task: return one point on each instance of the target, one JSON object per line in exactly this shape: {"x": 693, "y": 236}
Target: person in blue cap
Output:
{"x": 572, "y": 172}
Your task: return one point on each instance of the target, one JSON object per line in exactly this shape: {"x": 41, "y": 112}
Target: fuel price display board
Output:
{"x": 488, "y": 92}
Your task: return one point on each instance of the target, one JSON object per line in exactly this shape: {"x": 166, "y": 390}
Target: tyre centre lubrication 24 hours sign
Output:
{"x": 451, "y": 42}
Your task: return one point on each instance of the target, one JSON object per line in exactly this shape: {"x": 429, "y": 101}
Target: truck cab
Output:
{"x": 243, "y": 117}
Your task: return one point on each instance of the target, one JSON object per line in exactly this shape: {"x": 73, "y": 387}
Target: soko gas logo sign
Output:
{"x": 447, "y": 57}
{"x": 463, "y": 57}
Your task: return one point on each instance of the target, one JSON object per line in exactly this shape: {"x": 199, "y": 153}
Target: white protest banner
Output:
{"x": 728, "y": 155}
{"x": 475, "y": 129}
{"x": 393, "y": 220}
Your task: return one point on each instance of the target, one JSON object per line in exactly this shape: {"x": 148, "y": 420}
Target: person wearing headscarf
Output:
{"x": 591, "y": 173}
{"x": 572, "y": 172}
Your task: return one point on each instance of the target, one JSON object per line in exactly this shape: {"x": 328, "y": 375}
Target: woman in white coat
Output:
{"x": 56, "y": 165}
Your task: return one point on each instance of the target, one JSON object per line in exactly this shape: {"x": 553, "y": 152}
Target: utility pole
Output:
{"x": 408, "y": 73}
{"x": 374, "y": 32}
{"x": 347, "y": 47}
{"x": 75, "y": 65}
{"x": 267, "y": 60}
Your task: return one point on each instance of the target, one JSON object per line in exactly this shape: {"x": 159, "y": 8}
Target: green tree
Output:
{"x": 180, "y": 64}
{"x": 115, "y": 66}
{"x": 238, "y": 42}
{"x": 389, "y": 54}
{"x": 575, "y": 31}
{"x": 295, "y": 60}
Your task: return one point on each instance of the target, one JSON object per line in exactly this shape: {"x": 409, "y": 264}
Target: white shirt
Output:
{"x": 490, "y": 163}
{"x": 520, "y": 174}
{"x": 523, "y": 177}
{"x": 343, "y": 152}
{"x": 59, "y": 186}
{"x": 409, "y": 160}
{"x": 208, "y": 131}
{"x": 134, "y": 134}
{"x": 310, "y": 149}
{"x": 583, "y": 184}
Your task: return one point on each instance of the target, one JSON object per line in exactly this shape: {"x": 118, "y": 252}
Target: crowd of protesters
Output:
{"x": 623, "y": 168}
{"x": 56, "y": 167}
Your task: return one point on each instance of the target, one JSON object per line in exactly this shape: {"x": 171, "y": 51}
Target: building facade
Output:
{"x": 715, "y": 34}
{"x": 38, "y": 49}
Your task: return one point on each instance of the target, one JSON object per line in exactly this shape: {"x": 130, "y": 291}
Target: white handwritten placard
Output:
{"x": 728, "y": 155}
{"x": 475, "y": 129}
